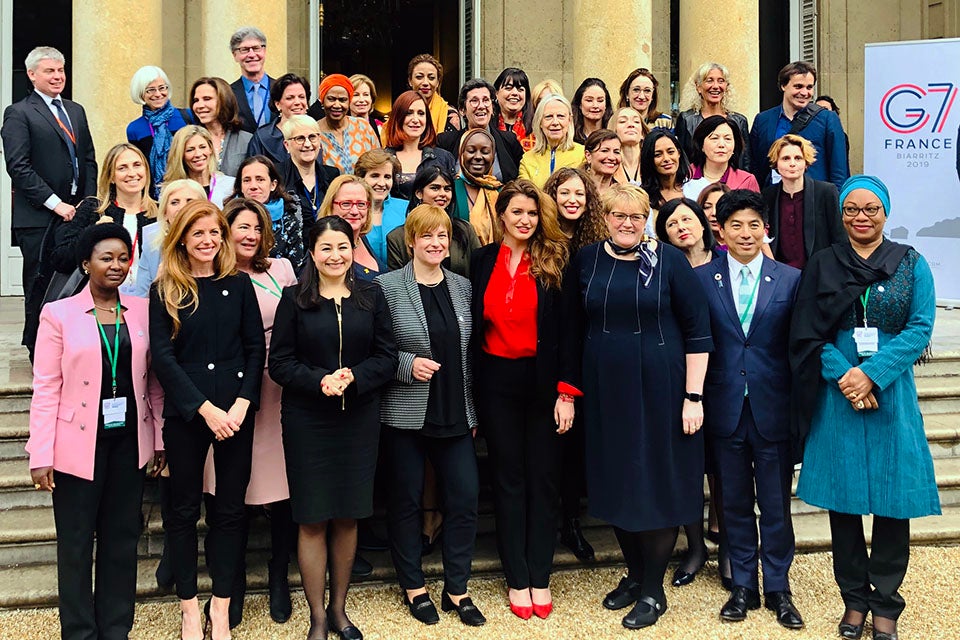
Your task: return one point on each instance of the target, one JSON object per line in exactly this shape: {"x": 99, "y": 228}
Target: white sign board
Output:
{"x": 911, "y": 125}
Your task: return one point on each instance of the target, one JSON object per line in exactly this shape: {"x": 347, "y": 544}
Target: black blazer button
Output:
{"x": 742, "y": 372}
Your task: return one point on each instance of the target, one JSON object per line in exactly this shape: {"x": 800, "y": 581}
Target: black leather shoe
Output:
{"x": 681, "y": 577}
{"x": 361, "y": 568}
{"x": 349, "y": 632}
{"x": 644, "y": 614}
{"x": 279, "y": 587}
{"x": 741, "y": 600}
{"x": 626, "y": 593}
{"x": 422, "y": 608}
{"x": 880, "y": 635}
{"x": 781, "y": 603}
{"x": 571, "y": 536}
{"x": 850, "y": 631}
{"x": 468, "y": 612}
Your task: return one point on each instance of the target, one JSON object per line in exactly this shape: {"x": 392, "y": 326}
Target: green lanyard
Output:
{"x": 863, "y": 300}
{"x": 113, "y": 355}
{"x": 276, "y": 293}
{"x": 746, "y": 308}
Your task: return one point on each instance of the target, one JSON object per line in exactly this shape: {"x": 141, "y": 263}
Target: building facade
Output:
{"x": 105, "y": 41}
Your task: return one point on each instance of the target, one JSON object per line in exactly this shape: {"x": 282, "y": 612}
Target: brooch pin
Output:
{"x": 767, "y": 279}
{"x": 719, "y": 279}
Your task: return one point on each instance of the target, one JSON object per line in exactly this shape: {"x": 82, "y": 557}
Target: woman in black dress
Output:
{"x": 646, "y": 338}
{"x": 206, "y": 339}
{"x": 332, "y": 351}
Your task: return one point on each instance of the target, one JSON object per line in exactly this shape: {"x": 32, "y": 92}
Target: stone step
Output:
{"x": 36, "y": 584}
{"x": 938, "y": 395}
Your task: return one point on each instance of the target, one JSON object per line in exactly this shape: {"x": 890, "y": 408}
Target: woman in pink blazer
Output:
{"x": 94, "y": 426}
{"x": 717, "y": 147}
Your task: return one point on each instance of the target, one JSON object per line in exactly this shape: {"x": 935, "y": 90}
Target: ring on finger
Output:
{"x": 860, "y": 404}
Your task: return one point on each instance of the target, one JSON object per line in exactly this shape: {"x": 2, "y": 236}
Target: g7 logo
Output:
{"x": 906, "y": 108}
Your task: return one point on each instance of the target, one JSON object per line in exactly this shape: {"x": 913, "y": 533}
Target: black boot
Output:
{"x": 571, "y": 536}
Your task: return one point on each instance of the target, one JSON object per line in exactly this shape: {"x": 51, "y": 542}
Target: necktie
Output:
{"x": 258, "y": 108}
{"x": 71, "y": 139}
{"x": 64, "y": 120}
{"x": 746, "y": 299}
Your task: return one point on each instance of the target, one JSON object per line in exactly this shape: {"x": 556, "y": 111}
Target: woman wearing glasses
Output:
{"x": 304, "y": 173}
{"x": 351, "y": 198}
{"x": 863, "y": 317}
{"x": 639, "y": 90}
{"x": 344, "y": 137}
{"x": 646, "y": 333}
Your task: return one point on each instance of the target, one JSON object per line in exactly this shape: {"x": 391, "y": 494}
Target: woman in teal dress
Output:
{"x": 864, "y": 316}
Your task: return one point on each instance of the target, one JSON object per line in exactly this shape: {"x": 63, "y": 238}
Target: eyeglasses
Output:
{"x": 347, "y": 205}
{"x": 476, "y": 102}
{"x": 647, "y": 91}
{"x": 257, "y": 48}
{"x": 635, "y": 218}
{"x": 152, "y": 91}
{"x": 314, "y": 139}
{"x": 851, "y": 211}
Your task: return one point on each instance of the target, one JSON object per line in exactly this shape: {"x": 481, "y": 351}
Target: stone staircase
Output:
{"x": 28, "y": 538}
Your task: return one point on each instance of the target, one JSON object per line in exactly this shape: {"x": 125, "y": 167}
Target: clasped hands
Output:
{"x": 857, "y": 387}
{"x": 334, "y": 384}
{"x": 224, "y": 423}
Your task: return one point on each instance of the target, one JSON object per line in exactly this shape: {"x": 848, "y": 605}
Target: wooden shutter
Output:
{"x": 808, "y": 31}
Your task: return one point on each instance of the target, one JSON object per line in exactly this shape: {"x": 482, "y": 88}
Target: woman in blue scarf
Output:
{"x": 153, "y": 131}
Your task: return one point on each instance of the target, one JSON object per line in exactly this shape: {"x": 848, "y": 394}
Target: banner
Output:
{"x": 911, "y": 141}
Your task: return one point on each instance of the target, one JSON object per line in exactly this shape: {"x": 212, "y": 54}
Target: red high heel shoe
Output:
{"x": 542, "y": 610}
{"x": 523, "y": 613}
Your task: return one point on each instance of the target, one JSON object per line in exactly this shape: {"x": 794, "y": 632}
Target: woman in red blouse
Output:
{"x": 526, "y": 381}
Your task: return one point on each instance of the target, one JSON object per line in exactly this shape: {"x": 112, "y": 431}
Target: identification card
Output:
{"x": 775, "y": 177}
{"x": 867, "y": 339}
{"x": 114, "y": 412}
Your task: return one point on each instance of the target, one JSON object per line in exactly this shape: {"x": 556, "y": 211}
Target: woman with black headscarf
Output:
{"x": 864, "y": 315}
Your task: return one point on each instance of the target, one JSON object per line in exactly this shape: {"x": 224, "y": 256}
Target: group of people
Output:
{"x": 269, "y": 301}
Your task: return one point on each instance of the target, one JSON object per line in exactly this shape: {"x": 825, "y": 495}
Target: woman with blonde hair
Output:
{"x": 554, "y": 147}
{"x": 521, "y": 335}
{"x": 351, "y": 198}
{"x": 212, "y": 390}
{"x": 363, "y": 100}
{"x": 709, "y": 92}
{"x": 123, "y": 197}
{"x": 192, "y": 156}
{"x": 542, "y": 89}
{"x": 631, "y": 129}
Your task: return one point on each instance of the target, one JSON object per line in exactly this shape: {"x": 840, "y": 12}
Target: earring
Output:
{"x": 86, "y": 271}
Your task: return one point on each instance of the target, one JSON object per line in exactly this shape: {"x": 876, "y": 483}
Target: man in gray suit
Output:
{"x": 52, "y": 165}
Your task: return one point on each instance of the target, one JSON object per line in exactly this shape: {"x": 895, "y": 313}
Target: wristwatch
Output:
{"x": 693, "y": 397}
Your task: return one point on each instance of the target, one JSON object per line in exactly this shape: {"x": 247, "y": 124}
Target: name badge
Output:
{"x": 774, "y": 176}
{"x": 114, "y": 412}
{"x": 868, "y": 341}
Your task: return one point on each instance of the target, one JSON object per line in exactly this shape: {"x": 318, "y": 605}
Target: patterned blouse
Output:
{"x": 358, "y": 138}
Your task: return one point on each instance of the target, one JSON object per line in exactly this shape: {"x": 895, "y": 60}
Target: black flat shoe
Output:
{"x": 281, "y": 607}
{"x": 644, "y": 614}
{"x": 851, "y": 631}
{"x": 571, "y": 536}
{"x": 422, "y": 608}
{"x": 361, "y": 568}
{"x": 741, "y": 600}
{"x": 681, "y": 577}
{"x": 626, "y": 593}
{"x": 880, "y": 635}
{"x": 781, "y": 603}
{"x": 349, "y": 632}
{"x": 468, "y": 612}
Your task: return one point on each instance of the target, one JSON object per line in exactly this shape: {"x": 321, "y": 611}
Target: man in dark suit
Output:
{"x": 252, "y": 88}
{"x": 52, "y": 165}
{"x": 799, "y": 114}
{"x": 746, "y": 406}
{"x": 476, "y": 100}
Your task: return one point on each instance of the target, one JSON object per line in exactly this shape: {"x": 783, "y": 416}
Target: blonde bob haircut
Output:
{"x": 690, "y": 98}
{"x": 629, "y": 195}
{"x": 422, "y": 219}
{"x": 326, "y": 208}
{"x": 301, "y": 121}
{"x": 792, "y": 140}
{"x": 176, "y": 165}
{"x": 541, "y": 144}
{"x": 543, "y": 89}
{"x": 176, "y": 285}
{"x": 358, "y": 79}
{"x": 166, "y": 194}
{"x": 107, "y": 187}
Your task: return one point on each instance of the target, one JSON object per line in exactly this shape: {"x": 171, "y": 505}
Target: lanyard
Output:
{"x": 276, "y": 293}
{"x": 313, "y": 197}
{"x": 213, "y": 185}
{"x": 863, "y": 300}
{"x": 746, "y": 308}
{"x": 112, "y": 355}
{"x": 553, "y": 159}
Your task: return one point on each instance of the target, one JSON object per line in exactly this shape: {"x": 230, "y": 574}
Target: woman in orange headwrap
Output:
{"x": 344, "y": 138}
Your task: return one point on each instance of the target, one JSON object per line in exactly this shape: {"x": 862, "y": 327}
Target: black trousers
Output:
{"x": 186, "y": 445}
{"x": 107, "y": 507}
{"x": 525, "y": 458}
{"x": 573, "y": 483}
{"x": 884, "y": 568}
{"x": 455, "y": 462}
{"x": 30, "y": 242}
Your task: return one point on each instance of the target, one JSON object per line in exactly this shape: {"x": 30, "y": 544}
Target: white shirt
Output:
{"x": 735, "y": 267}
{"x": 52, "y": 202}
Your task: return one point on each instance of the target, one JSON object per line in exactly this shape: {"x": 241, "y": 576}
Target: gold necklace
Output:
{"x": 110, "y": 309}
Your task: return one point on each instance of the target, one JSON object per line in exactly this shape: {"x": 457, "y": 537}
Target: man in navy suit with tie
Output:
{"x": 252, "y": 88}
{"x": 746, "y": 406}
{"x": 52, "y": 165}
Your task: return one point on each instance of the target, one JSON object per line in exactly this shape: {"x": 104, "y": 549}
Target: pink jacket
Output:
{"x": 65, "y": 409}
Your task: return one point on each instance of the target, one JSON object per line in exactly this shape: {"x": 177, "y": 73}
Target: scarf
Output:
{"x": 439, "y": 110}
{"x": 645, "y": 251}
{"x": 481, "y": 213}
{"x": 519, "y": 130}
{"x": 159, "y": 126}
{"x": 275, "y": 209}
{"x": 832, "y": 281}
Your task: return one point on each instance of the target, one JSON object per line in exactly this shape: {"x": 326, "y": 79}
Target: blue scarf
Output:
{"x": 162, "y": 138}
{"x": 275, "y": 208}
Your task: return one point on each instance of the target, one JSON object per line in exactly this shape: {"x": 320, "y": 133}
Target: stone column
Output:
{"x": 611, "y": 38}
{"x": 220, "y": 18}
{"x": 111, "y": 41}
{"x": 728, "y": 35}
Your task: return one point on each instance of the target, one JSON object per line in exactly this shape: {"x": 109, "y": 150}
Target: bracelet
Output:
{"x": 566, "y": 397}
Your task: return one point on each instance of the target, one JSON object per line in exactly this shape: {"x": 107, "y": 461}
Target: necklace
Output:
{"x": 110, "y": 309}
{"x": 431, "y": 285}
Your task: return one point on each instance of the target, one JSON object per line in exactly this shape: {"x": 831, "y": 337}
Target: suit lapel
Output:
{"x": 768, "y": 282}
{"x": 724, "y": 289}
{"x": 413, "y": 293}
{"x": 809, "y": 220}
{"x": 47, "y": 115}
{"x": 775, "y": 219}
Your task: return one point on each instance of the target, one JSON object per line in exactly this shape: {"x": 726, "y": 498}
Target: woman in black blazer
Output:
{"x": 526, "y": 381}
{"x": 332, "y": 351}
{"x": 804, "y": 213}
{"x": 206, "y": 338}
{"x": 429, "y": 405}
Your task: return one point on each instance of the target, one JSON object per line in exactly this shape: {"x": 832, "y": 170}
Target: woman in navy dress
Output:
{"x": 645, "y": 350}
